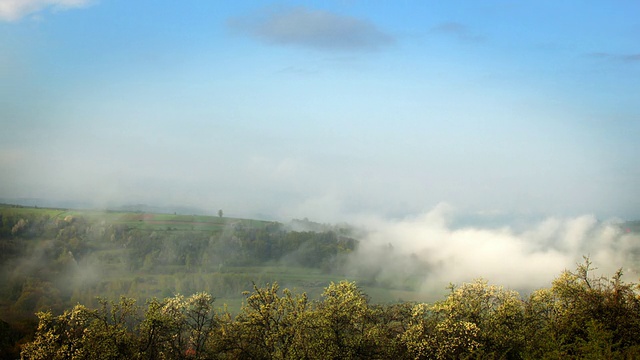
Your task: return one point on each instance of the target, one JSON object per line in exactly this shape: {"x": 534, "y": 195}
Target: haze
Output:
{"x": 326, "y": 110}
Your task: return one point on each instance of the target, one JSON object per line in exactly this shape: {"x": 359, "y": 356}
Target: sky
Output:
{"x": 324, "y": 109}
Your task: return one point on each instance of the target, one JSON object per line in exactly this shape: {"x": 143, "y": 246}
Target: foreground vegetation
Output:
{"x": 579, "y": 317}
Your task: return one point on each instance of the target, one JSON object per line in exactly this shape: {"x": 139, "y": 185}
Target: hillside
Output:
{"x": 53, "y": 258}
{"x": 107, "y": 253}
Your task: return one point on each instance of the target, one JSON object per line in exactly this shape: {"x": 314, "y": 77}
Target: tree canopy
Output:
{"x": 580, "y": 316}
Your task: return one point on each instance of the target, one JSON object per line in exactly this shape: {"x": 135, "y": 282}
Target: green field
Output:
{"x": 133, "y": 219}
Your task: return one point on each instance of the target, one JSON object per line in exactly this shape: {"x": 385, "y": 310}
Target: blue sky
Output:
{"x": 323, "y": 109}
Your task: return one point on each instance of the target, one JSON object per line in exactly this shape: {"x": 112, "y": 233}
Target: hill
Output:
{"x": 53, "y": 258}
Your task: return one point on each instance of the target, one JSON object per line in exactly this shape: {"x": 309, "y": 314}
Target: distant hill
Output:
{"x": 78, "y": 205}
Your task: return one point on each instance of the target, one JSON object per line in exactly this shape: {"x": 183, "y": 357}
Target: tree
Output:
{"x": 582, "y": 315}
{"x": 82, "y": 333}
{"x": 268, "y": 326}
{"x": 345, "y": 325}
{"x": 476, "y": 318}
{"x": 220, "y": 213}
{"x": 177, "y": 327}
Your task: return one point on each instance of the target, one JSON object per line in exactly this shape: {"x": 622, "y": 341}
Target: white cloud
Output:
{"x": 13, "y": 10}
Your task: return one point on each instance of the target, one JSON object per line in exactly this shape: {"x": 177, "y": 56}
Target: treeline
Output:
{"x": 578, "y": 317}
{"x": 236, "y": 245}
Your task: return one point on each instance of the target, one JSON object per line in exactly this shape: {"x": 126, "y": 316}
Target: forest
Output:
{"x": 579, "y": 317}
{"x": 111, "y": 285}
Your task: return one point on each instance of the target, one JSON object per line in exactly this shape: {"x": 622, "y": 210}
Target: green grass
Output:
{"x": 144, "y": 221}
{"x": 13, "y": 210}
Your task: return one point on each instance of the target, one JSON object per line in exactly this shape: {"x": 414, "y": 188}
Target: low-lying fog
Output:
{"x": 523, "y": 257}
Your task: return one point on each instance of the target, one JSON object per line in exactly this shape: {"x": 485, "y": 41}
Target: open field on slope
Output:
{"x": 137, "y": 220}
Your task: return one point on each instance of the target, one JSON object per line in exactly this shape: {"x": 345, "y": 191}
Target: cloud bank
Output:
{"x": 428, "y": 247}
{"x": 311, "y": 28}
{"x": 13, "y": 10}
